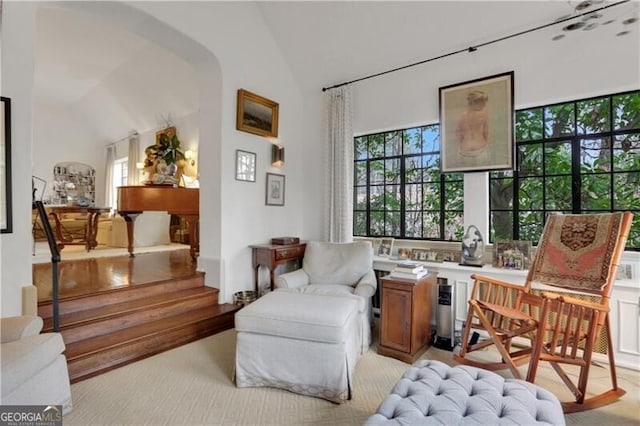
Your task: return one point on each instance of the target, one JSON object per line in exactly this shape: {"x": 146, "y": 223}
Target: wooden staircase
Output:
{"x": 109, "y": 329}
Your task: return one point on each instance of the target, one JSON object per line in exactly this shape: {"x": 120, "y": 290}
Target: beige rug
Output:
{"x": 192, "y": 385}
{"x": 76, "y": 252}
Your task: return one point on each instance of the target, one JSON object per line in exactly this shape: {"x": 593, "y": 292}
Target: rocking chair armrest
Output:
{"x": 485, "y": 279}
{"x": 575, "y": 301}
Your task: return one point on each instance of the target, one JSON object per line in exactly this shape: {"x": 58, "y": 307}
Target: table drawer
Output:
{"x": 289, "y": 252}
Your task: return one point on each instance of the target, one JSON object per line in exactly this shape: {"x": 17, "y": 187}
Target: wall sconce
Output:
{"x": 277, "y": 155}
{"x": 189, "y": 155}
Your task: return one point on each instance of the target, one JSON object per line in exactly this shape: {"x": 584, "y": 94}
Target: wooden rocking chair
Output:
{"x": 577, "y": 255}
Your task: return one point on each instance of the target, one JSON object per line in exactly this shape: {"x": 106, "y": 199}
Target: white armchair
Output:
{"x": 33, "y": 367}
{"x": 343, "y": 269}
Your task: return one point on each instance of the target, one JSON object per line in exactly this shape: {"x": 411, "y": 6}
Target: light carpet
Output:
{"x": 193, "y": 385}
{"x": 77, "y": 252}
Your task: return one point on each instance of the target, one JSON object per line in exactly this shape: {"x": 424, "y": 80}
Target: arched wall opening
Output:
{"x": 18, "y": 42}
{"x": 209, "y": 86}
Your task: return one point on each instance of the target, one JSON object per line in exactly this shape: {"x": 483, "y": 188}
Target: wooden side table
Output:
{"x": 90, "y": 229}
{"x": 272, "y": 255}
{"x": 405, "y": 317}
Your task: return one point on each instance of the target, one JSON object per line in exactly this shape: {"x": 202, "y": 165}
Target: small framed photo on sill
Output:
{"x": 275, "y": 190}
{"x": 385, "y": 248}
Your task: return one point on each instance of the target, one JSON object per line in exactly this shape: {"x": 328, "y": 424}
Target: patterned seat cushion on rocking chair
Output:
{"x": 576, "y": 252}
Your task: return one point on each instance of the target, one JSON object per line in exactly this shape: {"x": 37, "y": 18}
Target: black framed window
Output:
{"x": 581, "y": 156}
{"x": 399, "y": 190}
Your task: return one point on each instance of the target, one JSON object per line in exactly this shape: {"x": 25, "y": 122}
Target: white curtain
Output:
{"x": 109, "y": 193}
{"x": 133, "y": 158}
{"x": 339, "y": 179}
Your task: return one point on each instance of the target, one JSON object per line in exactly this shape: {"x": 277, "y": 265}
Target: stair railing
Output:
{"x": 55, "y": 259}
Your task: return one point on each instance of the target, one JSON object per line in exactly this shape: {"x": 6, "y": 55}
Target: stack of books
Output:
{"x": 409, "y": 270}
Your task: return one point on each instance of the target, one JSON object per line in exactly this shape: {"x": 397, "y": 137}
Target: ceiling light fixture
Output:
{"x": 478, "y": 46}
{"x": 590, "y": 19}
{"x": 574, "y": 26}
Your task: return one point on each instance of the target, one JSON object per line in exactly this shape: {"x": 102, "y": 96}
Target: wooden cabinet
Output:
{"x": 272, "y": 255}
{"x": 405, "y": 317}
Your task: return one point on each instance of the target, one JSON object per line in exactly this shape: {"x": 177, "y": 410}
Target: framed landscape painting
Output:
{"x": 476, "y": 121}
{"x": 256, "y": 114}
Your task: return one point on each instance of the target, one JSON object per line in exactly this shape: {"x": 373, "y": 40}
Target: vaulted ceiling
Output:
{"x": 119, "y": 81}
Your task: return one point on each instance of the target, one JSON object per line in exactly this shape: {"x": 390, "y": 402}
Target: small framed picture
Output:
{"x": 512, "y": 254}
{"x": 275, "y": 190}
{"x": 404, "y": 253}
{"x": 434, "y": 256}
{"x": 245, "y": 166}
{"x": 419, "y": 254}
{"x": 625, "y": 272}
{"x": 386, "y": 245}
{"x": 450, "y": 256}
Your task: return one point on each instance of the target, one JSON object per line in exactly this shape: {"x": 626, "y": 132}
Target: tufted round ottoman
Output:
{"x": 431, "y": 392}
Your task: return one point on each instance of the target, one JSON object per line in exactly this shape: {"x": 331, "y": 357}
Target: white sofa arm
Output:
{"x": 294, "y": 279}
{"x": 15, "y": 328}
{"x": 367, "y": 285}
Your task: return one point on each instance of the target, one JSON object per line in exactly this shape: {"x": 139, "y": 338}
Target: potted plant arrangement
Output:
{"x": 164, "y": 158}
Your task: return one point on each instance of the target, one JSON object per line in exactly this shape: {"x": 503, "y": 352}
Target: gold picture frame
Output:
{"x": 169, "y": 131}
{"x": 256, "y": 114}
{"x": 476, "y": 122}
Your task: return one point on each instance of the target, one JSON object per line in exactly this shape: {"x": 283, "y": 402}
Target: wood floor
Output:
{"x": 116, "y": 310}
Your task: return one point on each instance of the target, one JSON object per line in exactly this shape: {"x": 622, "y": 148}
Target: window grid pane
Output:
{"x": 575, "y": 157}
{"x": 398, "y": 189}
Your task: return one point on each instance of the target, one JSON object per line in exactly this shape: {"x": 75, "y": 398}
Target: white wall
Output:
{"x": 59, "y": 136}
{"x": 233, "y": 49}
{"x": 249, "y": 59}
{"x": 581, "y": 65}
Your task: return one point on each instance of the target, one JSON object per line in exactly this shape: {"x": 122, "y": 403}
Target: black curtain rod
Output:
{"x": 474, "y": 48}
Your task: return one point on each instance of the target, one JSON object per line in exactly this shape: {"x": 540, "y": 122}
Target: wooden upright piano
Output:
{"x": 184, "y": 202}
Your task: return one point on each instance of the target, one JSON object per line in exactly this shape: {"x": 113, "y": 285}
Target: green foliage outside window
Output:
{"x": 575, "y": 157}
{"x": 399, "y": 190}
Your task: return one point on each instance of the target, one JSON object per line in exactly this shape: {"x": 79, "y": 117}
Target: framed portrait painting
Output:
{"x": 6, "y": 222}
{"x": 476, "y": 122}
{"x": 275, "y": 190}
{"x": 256, "y": 114}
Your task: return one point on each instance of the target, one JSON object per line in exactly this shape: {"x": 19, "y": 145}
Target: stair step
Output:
{"x": 121, "y": 295}
{"x": 108, "y": 311}
{"x": 88, "y": 358}
{"x": 180, "y": 305}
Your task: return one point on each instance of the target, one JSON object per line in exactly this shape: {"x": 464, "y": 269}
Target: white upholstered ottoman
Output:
{"x": 304, "y": 343}
{"x": 432, "y": 393}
